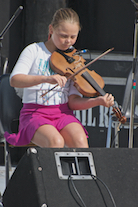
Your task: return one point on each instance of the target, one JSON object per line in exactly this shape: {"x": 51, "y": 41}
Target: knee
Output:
{"x": 82, "y": 142}
{"x": 57, "y": 142}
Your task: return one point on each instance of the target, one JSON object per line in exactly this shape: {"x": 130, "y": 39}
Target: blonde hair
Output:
{"x": 65, "y": 14}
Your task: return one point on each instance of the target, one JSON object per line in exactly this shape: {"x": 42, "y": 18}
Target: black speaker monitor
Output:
{"x": 74, "y": 177}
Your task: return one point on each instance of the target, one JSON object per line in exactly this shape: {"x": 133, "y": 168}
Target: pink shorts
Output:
{"x": 32, "y": 116}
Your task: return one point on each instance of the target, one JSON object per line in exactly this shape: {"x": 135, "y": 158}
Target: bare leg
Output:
{"x": 48, "y": 136}
{"x": 74, "y": 136}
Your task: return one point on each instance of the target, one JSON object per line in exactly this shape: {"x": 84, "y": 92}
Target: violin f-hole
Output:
{"x": 69, "y": 69}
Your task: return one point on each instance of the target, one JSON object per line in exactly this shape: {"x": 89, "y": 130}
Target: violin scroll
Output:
{"x": 119, "y": 115}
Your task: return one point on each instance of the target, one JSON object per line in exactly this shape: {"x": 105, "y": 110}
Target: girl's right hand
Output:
{"x": 60, "y": 80}
{"x": 23, "y": 81}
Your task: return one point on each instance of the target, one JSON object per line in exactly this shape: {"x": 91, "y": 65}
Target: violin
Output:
{"x": 69, "y": 64}
{"x": 88, "y": 83}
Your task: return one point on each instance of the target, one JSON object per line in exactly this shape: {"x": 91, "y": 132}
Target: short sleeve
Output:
{"x": 25, "y": 60}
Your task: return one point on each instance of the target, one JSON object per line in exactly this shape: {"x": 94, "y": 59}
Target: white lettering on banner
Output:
{"x": 77, "y": 114}
{"x": 81, "y": 115}
{"x": 90, "y": 118}
{"x": 86, "y": 118}
{"x": 103, "y": 116}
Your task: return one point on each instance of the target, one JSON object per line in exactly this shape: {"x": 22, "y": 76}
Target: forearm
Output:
{"x": 22, "y": 81}
{"x": 79, "y": 103}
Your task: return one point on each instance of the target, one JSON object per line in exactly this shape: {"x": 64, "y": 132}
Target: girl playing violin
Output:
{"x": 48, "y": 121}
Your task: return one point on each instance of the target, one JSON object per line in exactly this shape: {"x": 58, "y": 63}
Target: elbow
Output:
{"x": 74, "y": 107}
{"x": 12, "y": 84}
{"x": 71, "y": 107}
{"x": 14, "y": 81}
{"x": 73, "y": 102}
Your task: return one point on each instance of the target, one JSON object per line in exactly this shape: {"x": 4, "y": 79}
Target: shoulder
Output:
{"x": 39, "y": 48}
{"x": 32, "y": 47}
{"x": 32, "y": 50}
{"x": 35, "y": 46}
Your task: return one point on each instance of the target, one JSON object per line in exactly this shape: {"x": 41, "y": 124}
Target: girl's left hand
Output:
{"x": 108, "y": 100}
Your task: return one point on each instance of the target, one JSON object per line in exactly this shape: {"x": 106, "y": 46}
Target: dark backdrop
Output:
{"x": 105, "y": 24}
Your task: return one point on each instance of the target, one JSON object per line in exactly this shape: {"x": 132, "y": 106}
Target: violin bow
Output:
{"x": 71, "y": 76}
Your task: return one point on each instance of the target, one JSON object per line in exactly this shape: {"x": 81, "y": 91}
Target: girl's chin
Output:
{"x": 64, "y": 48}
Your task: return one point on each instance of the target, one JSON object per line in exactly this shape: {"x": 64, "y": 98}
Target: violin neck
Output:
{"x": 93, "y": 83}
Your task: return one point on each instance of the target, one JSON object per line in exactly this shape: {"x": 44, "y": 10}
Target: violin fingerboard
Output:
{"x": 93, "y": 83}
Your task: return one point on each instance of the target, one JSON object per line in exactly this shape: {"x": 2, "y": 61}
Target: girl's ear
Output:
{"x": 50, "y": 31}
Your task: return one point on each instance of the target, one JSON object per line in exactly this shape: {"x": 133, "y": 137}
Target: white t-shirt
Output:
{"x": 34, "y": 60}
